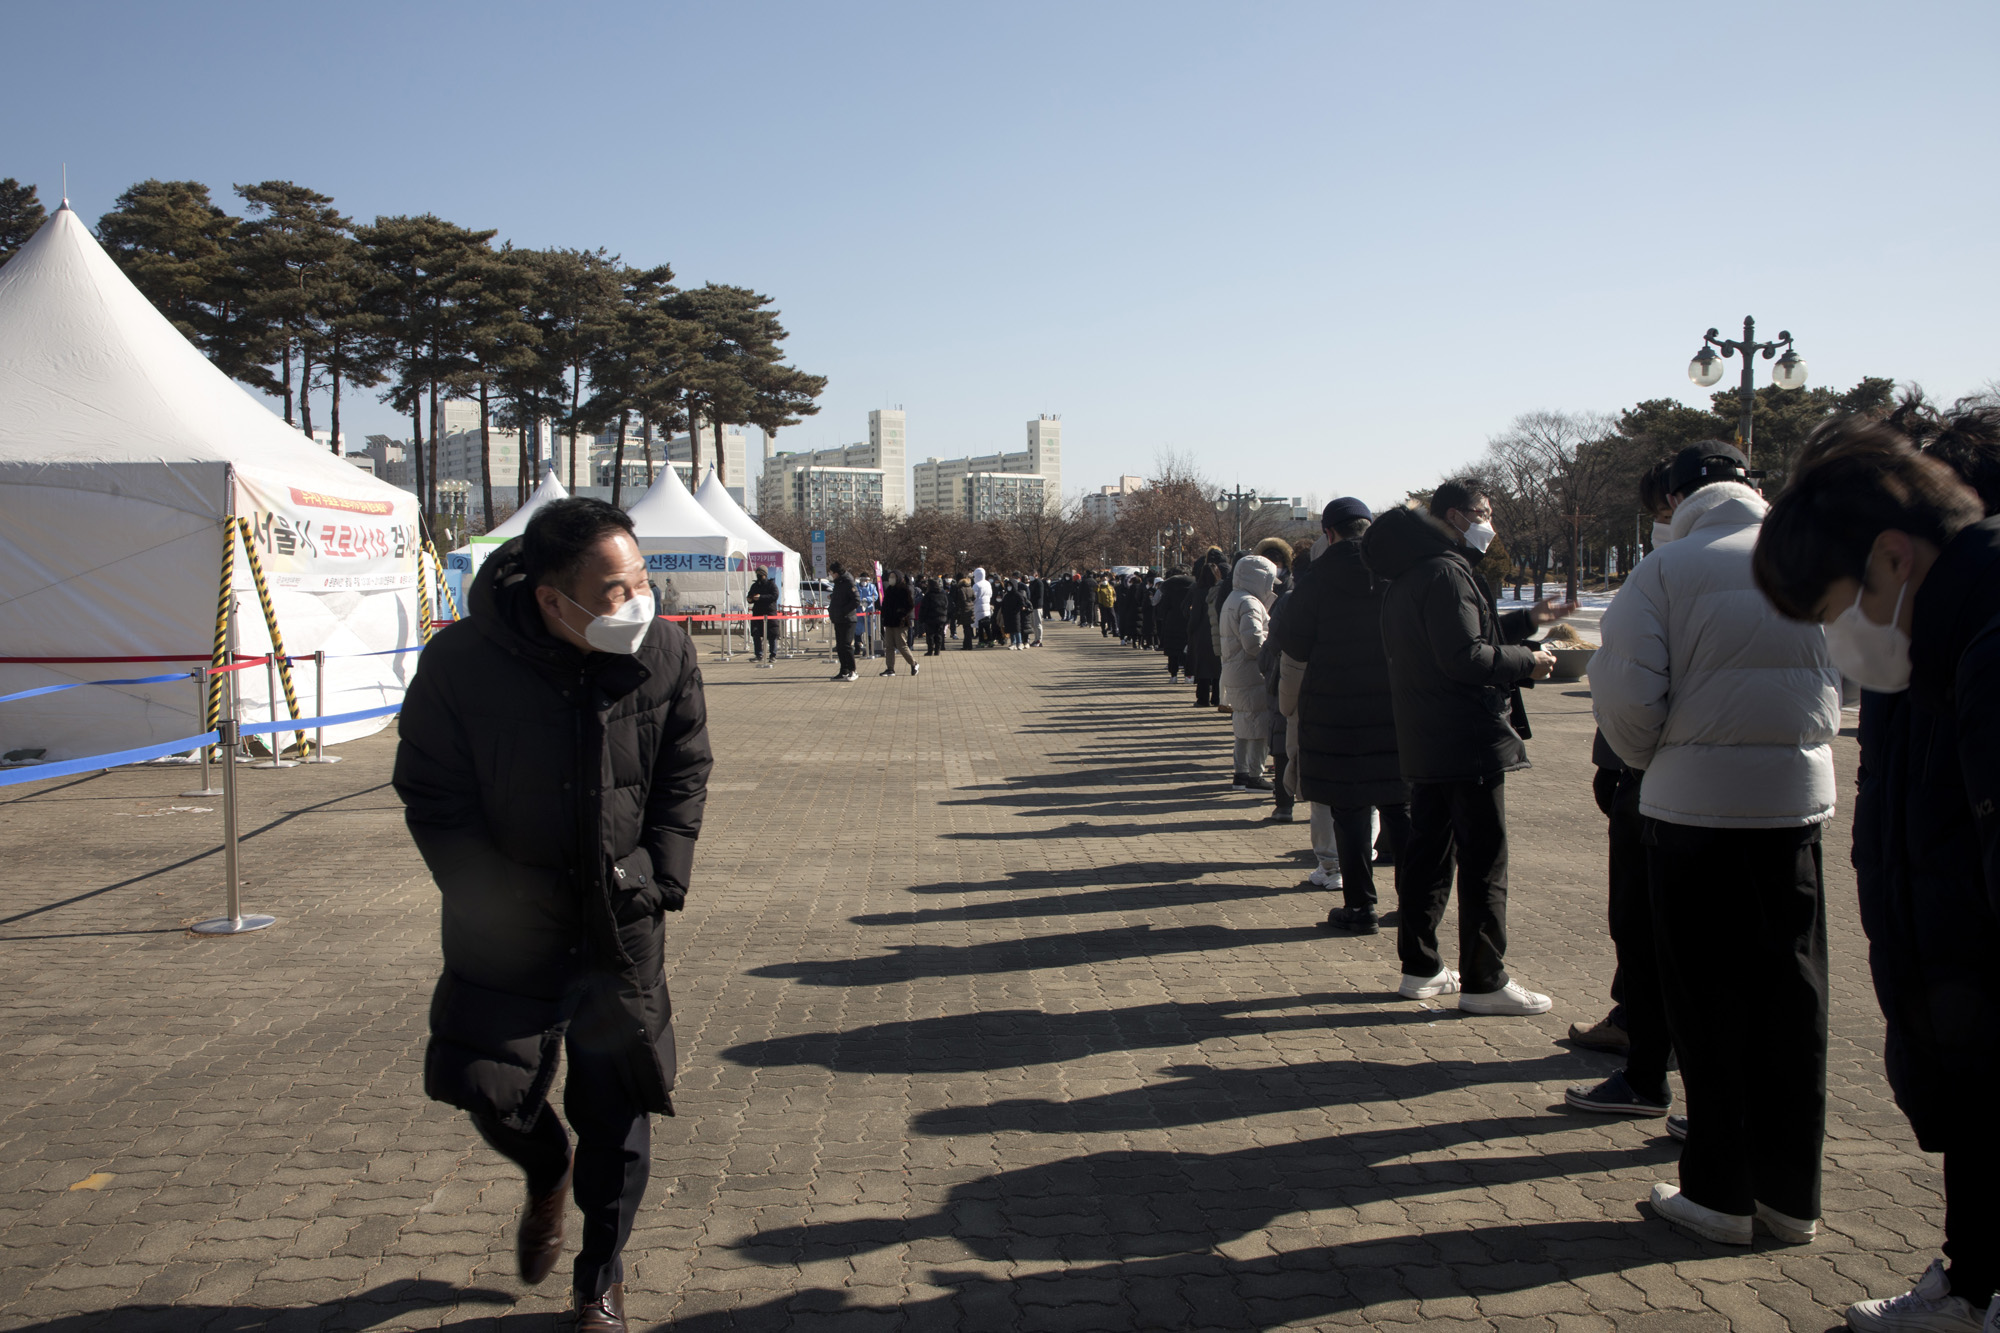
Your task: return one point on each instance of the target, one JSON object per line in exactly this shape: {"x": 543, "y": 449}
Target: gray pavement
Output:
{"x": 997, "y": 1011}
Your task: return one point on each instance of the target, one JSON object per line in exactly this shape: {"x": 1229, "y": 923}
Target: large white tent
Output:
{"x": 764, "y": 549}
{"x": 694, "y": 561}
{"x": 463, "y": 564}
{"x": 122, "y": 451}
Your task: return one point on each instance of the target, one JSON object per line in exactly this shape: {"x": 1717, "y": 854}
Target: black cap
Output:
{"x": 1344, "y": 510}
{"x": 1703, "y": 464}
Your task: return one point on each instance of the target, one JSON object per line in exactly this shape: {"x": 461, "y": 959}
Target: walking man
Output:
{"x": 1455, "y": 668}
{"x": 555, "y": 855}
{"x": 763, "y": 607}
{"x": 841, "y": 605}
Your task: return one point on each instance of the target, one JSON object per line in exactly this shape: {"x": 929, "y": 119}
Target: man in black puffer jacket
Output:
{"x": 1172, "y": 618}
{"x": 1348, "y": 763}
{"x": 1454, "y": 666}
{"x": 554, "y": 768}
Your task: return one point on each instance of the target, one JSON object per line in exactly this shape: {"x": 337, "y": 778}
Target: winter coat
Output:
{"x": 899, "y": 605}
{"x": 1728, "y": 708}
{"x": 556, "y": 796}
{"x": 1012, "y": 604}
{"x": 764, "y": 597}
{"x": 959, "y": 599}
{"x": 936, "y": 608}
{"x": 1172, "y": 607}
{"x": 1216, "y": 597}
{"x": 1245, "y": 621}
{"x": 1347, "y": 754}
{"x": 1454, "y": 661}
{"x": 1927, "y": 849}
{"x": 1106, "y": 596}
{"x": 1204, "y": 662}
{"x": 843, "y": 601}
{"x": 982, "y": 595}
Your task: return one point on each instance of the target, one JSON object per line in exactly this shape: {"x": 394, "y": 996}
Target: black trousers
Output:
{"x": 1353, "y": 839}
{"x": 1971, "y": 1227}
{"x": 1462, "y": 826}
{"x": 1176, "y": 657}
{"x": 614, "y": 1158}
{"x": 933, "y": 638}
{"x": 762, "y": 628}
{"x": 843, "y": 643}
{"x": 1642, "y": 1007}
{"x": 1741, "y": 922}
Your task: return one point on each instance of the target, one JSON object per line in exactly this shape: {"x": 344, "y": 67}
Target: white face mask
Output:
{"x": 1876, "y": 657}
{"x": 620, "y": 632}
{"x": 1662, "y": 534}
{"x": 1479, "y": 536}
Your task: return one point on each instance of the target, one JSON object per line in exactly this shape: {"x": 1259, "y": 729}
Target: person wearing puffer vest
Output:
{"x": 1730, "y": 711}
{"x": 1242, "y": 624}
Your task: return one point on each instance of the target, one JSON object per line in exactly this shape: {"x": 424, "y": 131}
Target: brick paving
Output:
{"x": 997, "y": 1011}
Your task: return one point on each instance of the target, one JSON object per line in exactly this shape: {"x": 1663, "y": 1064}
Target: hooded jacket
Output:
{"x": 1728, "y": 708}
{"x": 899, "y": 605}
{"x": 764, "y": 597}
{"x": 982, "y": 595}
{"x": 1927, "y": 849}
{"x": 936, "y": 606}
{"x": 556, "y": 796}
{"x": 1452, "y": 667}
{"x": 843, "y": 601}
{"x": 1172, "y": 607}
{"x": 1346, "y": 754}
{"x": 1243, "y": 623}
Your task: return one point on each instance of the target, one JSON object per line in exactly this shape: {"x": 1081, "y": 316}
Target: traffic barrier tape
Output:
{"x": 10, "y": 777}
{"x": 308, "y": 723}
{"x": 79, "y": 684}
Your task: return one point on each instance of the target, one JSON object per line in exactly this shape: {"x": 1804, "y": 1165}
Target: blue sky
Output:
{"x": 1321, "y": 249}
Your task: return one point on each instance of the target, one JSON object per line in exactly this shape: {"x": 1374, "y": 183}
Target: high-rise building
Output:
{"x": 886, "y": 439}
{"x": 1105, "y": 502}
{"x": 1001, "y": 494}
{"x": 828, "y": 494}
{"x": 940, "y": 483}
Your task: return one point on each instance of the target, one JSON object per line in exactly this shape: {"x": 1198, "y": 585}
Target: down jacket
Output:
{"x": 1243, "y": 623}
{"x": 1927, "y": 849}
{"x": 1346, "y": 753}
{"x": 1204, "y": 662}
{"x": 1728, "y": 708}
{"x": 1172, "y": 609}
{"x": 556, "y": 796}
{"x": 982, "y": 595}
{"x": 1455, "y": 664}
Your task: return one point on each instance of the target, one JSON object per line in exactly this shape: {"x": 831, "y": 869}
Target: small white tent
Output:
{"x": 764, "y": 549}
{"x": 462, "y": 565}
{"x": 694, "y": 561}
{"x": 122, "y": 450}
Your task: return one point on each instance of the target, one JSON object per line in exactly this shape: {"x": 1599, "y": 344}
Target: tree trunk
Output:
{"x": 306, "y": 393}
{"x": 575, "y": 395}
{"x": 285, "y": 361}
{"x": 646, "y": 430}
{"x": 721, "y": 459}
{"x": 1575, "y": 548}
{"x": 434, "y": 445}
{"x": 523, "y": 437}
{"x": 333, "y": 383}
{"x": 485, "y": 457}
{"x": 694, "y": 437}
{"x": 417, "y": 449}
{"x": 618, "y": 462}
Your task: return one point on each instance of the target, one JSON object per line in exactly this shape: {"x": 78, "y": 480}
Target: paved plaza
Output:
{"x": 997, "y": 1010}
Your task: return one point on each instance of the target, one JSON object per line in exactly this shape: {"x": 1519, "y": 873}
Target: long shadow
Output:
{"x": 1020, "y": 1038}
{"x": 363, "y": 1310}
{"x": 1123, "y": 872}
{"x": 1121, "y": 1204}
{"x": 1249, "y": 818}
{"x": 1127, "y": 899}
{"x": 912, "y": 962}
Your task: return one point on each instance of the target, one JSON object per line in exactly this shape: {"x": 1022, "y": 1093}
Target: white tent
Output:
{"x": 695, "y": 562}
{"x": 764, "y": 549}
{"x": 463, "y": 564}
{"x": 122, "y": 449}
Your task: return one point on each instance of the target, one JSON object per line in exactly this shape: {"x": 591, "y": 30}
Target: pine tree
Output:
{"x": 21, "y": 216}
{"x": 283, "y": 253}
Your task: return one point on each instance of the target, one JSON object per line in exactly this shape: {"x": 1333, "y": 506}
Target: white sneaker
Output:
{"x": 913, "y": 668}
{"x": 1790, "y": 1230}
{"x": 1333, "y": 880}
{"x": 1927, "y": 1306}
{"x": 1512, "y": 1000}
{"x": 1685, "y": 1213}
{"x": 1423, "y": 988}
{"x": 1992, "y": 1316}
{"x": 1317, "y": 879}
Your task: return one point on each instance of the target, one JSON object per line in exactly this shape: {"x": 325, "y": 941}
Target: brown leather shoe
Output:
{"x": 539, "y": 1241}
{"x": 1603, "y": 1035}
{"x": 606, "y": 1314}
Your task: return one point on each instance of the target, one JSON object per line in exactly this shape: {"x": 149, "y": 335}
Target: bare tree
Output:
{"x": 1556, "y": 472}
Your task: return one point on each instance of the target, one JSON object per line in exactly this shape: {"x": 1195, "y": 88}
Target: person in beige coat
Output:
{"x": 1242, "y": 625}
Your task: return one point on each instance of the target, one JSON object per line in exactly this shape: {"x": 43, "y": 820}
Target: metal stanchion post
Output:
{"x": 319, "y": 754}
{"x": 271, "y": 681}
{"x": 208, "y": 787}
{"x": 234, "y": 923}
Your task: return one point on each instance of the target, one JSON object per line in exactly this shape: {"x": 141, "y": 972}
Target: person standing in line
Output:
{"x": 961, "y": 608}
{"x": 1038, "y": 596}
{"x": 899, "y": 608}
{"x": 936, "y": 614}
{"x": 1245, "y": 624}
{"x": 1107, "y": 604}
{"x": 1455, "y": 668}
{"x": 1283, "y": 755}
{"x": 841, "y": 605}
{"x": 1204, "y": 663}
{"x": 982, "y": 605}
{"x": 763, "y": 609}
{"x": 1336, "y": 671}
{"x": 1730, "y": 710}
{"x": 1901, "y": 565}
{"x": 1224, "y": 585}
{"x": 555, "y": 856}
{"x": 1172, "y": 612}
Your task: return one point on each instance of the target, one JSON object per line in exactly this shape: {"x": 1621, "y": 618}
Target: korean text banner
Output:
{"x": 322, "y": 541}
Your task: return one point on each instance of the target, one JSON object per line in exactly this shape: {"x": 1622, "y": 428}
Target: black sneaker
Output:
{"x": 1253, "y": 782}
{"x": 1614, "y": 1096}
{"x": 1352, "y": 920}
{"x": 1677, "y": 1128}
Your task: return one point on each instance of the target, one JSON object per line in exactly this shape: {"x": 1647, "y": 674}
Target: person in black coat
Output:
{"x": 553, "y": 768}
{"x": 1204, "y": 664}
{"x": 1347, "y": 762}
{"x": 960, "y": 599}
{"x": 899, "y": 613}
{"x": 1171, "y": 615}
{"x": 1917, "y": 625}
{"x": 936, "y": 614}
{"x": 1454, "y": 666}
{"x": 842, "y": 604}
{"x": 763, "y": 606}
{"x": 1012, "y": 606}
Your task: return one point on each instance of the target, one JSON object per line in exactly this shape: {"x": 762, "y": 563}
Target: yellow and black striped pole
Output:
{"x": 219, "y": 657}
{"x": 444, "y": 583}
{"x": 271, "y": 624}
{"x": 423, "y": 600}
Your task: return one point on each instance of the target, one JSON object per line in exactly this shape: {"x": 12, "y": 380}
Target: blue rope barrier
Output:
{"x": 68, "y": 767}
{"x": 79, "y": 684}
{"x": 309, "y": 723}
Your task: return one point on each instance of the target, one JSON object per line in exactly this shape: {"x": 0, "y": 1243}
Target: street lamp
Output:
{"x": 961, "y": 562}
{"x": 923, "y": 559}
{"x": 1174, "y": 533}
{"x": 1706, "y": 368}
{"x": 1242, "y": 502}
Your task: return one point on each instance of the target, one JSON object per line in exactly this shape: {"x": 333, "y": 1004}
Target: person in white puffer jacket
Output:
{"x": 982, "y": 606}
{"x": 1730, "y": 710}
{"x": 1241, "y": 628}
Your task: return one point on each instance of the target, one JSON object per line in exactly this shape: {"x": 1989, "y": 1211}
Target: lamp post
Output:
{"x": 1174, "y": 533}
{"x": 961, "y": 562}
{"x": 1242, "y": 502}
{"x": 1706, "y": 368}
{"x": 923, "y": 559}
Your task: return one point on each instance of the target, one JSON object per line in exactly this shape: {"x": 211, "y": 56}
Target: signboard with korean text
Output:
{"x": 322, "y": 541}
{"x": 819, "y": 552}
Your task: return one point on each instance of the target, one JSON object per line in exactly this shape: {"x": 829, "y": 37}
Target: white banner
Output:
{"x": 319, "y": 541}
